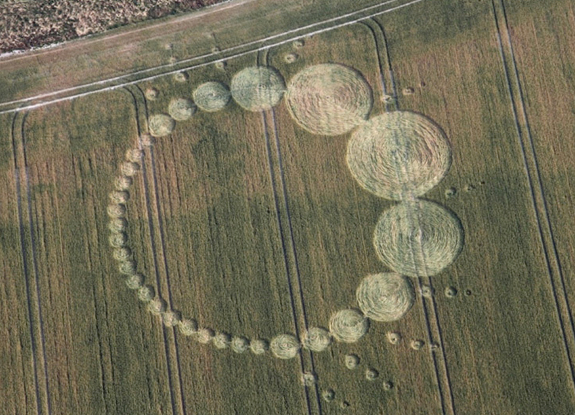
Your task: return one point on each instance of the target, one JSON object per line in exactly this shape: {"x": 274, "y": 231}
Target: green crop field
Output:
{"x": 301, "y": 207}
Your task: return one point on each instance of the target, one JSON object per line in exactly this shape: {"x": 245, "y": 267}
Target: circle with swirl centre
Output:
{"x": 285, "y": 346}
{"x": 398, "y": 155}
{"x": 211, "y": 96}
{"x": 329, "y": 99}
{"x": 316, "y": 339}
{"x": 385, "y": 296}
{"x": 348, "y": 326}
{"x": 418, "y": 238}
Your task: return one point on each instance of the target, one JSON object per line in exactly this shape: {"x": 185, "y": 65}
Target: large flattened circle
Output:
{"x": 257, "y": 88}
{"x": 329, "y": 99}
{"x": 398, "y": 155}
{"x": 385, "y": 296}
{"x": 418, "y": 238}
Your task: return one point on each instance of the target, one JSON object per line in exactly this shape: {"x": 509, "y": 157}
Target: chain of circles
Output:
{"x": 381, "y": 297}
{"x": 345, "y": 325}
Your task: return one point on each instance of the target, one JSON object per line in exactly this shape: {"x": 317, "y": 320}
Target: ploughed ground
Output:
{"x": 28, "y": 24}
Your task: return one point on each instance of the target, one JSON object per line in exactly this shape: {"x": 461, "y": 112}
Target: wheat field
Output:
{"x": 295, "y": 208}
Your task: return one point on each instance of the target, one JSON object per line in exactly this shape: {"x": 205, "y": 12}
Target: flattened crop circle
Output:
{"x": 329, "y": 99}
{"x": 348, "y": 326}
{"x": 212, "y": 96}
{"x": 398, "y": 155}
{"x": 161, "y": 125}
{"x": 385, "y": 297}
{"x": 285, "y": 346}
{"x": 257, "y": 88}
{"x": 181, "y": 109}
{"x": 316, "y": 339}
{"x": 418, "y": 238}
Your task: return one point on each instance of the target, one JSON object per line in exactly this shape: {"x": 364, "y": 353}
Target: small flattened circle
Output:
{"x": 316, "y": 339}
{"x": 161, "y": 125}
{"x": 181, "y": 109}
{"x": 348, "y": 326}
{"x": 240, "y": 344}
{"x": 285, "y": 346}
{"x": 188, "y": 327}
{"x": 211, "y": 96}
{"x": 259, "y": 346}
{"x": 385, "y": 296}
{"x": 371, "y": 374}
{"x": 351, "y": 361}
{"x": 222, "y": 340}
{"x": 205, "y": 335}
{"x": 135, "y": 281}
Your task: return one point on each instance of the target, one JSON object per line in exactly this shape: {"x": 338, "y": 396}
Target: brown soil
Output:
{"x": 38, "y": 23}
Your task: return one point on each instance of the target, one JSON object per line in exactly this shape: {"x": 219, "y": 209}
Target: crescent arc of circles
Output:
{"x": 342, "y": 100}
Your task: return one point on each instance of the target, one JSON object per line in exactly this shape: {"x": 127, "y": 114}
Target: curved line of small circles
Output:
{"x": 286, "y": 345}
{"x": 283, "y": 346}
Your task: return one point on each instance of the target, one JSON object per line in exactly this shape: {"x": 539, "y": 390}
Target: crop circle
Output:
{"x": 212, "y": 96}
{"x": 146, "y": 293}
{"x": 394, "y": 337}
{"x": 329, "y": 99}
{"x": 188, "y": 327}
{"x": 181, "y": 77}
{"x": 418, "y": 238}
{"x": 152, "y": 94}
{"x": 259, "y": 346}
{"x": 123, "y": 182}
{"x": 291, "y": 57}
{"x": 316, "y": 339}
{"x": 351, "y": 361}
{"x": 161, "y": 125}
{"x": 398, "y": 155}
{"x": 348, "y": 326}
{"x": 285, "y": 346}
{"x": 240, "y": 344}
{"x": 417, "y": 344}
{"x": 157, "y": 306}
{"x": 135, "y": 281}
{"x": 371, "y": 374}
{"x": 222, "y": 340}
{"x": 181, "y": 109}
{"x": 257, "y": 88}
{"x": 205, "y": 335}
{"x": 171, "y": 318}
{"x": 135, "y": 155}
{"x": 118, "y": 239}
{"x": 385, "y": 297}
{"x": 308, "y": 379}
